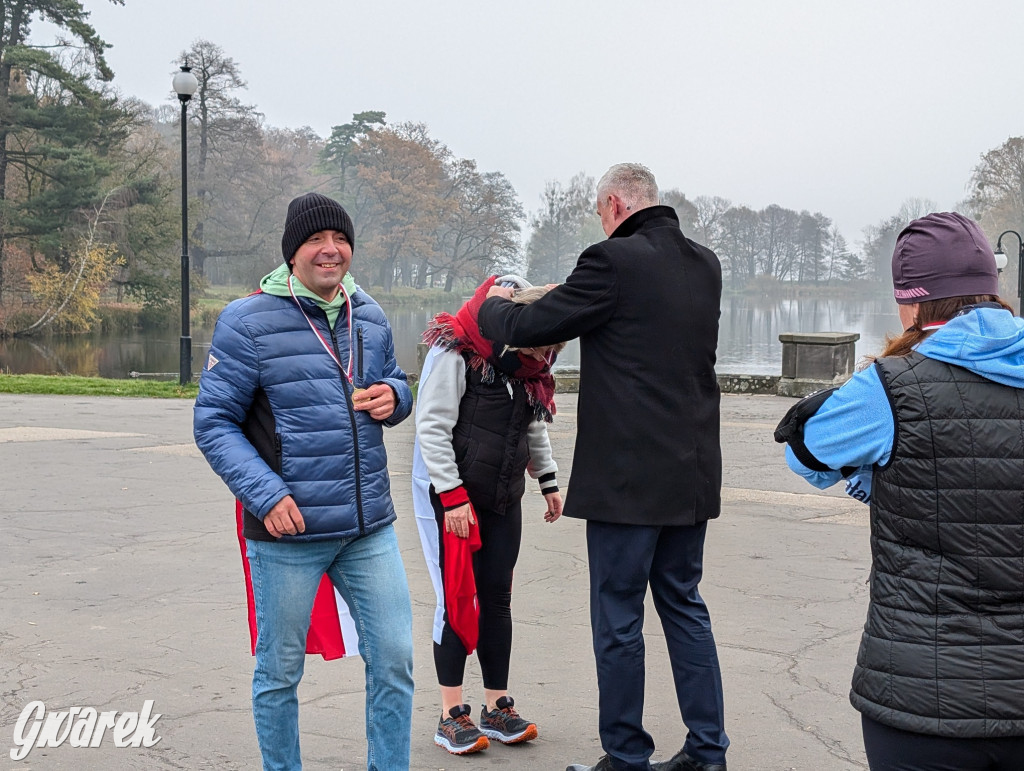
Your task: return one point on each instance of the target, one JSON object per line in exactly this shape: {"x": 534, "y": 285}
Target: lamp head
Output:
{"x": 1001, "y": 259}
{"x": 185, "y": 83}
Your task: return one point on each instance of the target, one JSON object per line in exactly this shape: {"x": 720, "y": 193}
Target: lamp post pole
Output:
{"x": 1020, "y": 261}
{"x": 185, "y": 84}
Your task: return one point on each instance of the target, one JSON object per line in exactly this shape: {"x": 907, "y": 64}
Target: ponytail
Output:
{"x": 928, "y": 313}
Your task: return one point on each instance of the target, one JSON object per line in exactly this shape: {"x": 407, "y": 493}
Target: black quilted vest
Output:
{"x": 490, "y": 441}
{"x": 943, "y": 647}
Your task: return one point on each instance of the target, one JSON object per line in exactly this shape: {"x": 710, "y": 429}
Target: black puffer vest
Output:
{"x": 943, "y": 647}
{"x": 490, "y": 440}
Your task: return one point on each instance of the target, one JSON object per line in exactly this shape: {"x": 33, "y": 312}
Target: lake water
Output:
{"x": 748, "y": 340}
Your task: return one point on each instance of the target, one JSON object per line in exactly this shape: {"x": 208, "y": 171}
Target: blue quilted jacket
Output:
{"x": 274, "y": 414}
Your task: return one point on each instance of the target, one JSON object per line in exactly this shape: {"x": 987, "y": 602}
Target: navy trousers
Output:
{"x": 624, "y": 561}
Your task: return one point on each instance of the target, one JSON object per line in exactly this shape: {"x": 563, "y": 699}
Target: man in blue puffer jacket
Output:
{"x": 300, "y": 381}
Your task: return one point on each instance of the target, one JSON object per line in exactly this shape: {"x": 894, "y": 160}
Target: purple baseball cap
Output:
{"x": 941, "y": 255}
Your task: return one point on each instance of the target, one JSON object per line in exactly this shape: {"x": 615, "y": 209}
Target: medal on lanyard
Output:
{"x": 346, "y": 371}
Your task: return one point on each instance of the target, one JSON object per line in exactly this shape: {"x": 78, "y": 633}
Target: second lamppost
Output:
{"x": 1001, "y": 261}
{"x": 185, "y": 84}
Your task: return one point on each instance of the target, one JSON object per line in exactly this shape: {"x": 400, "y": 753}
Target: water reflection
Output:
{"x": 748, "y": 341}
{"x": 154, "y": 354}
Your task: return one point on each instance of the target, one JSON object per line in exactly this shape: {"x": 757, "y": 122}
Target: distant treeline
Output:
{"x": 90, "y": 195}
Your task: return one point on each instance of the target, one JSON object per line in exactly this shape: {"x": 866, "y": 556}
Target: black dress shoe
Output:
{"x": 604, "y": 764}
{"x": 683, "y": 762}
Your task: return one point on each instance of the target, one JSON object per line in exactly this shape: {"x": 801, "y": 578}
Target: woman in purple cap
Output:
{"x": 931, "y": 434}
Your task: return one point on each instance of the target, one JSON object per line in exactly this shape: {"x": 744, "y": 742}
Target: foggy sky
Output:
{"x": 845, "y": 107}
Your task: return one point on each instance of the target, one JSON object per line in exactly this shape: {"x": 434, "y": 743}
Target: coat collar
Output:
{"x": 634, "y": 222}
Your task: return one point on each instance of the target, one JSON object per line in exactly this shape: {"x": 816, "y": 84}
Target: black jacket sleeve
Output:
{"x": 585, "y": 301}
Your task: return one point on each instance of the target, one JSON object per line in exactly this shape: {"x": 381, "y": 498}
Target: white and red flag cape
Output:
{"x": 456, "y": 592}
{"x": 332, "y": 631}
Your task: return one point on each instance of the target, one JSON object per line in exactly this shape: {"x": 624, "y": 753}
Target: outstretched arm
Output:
{"x": 585, "y": 301}
{"x": 854, "y": 427}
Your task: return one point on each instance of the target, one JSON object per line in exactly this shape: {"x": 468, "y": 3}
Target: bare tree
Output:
{"x": 481, "y": 232}
{"x": 812, "y": 238}
{"x": 777, "y": 253}
{"x": 997, "y": 185}
{"x": 559, "y": 228}
{"x": 740, "y": 244}
{"x": 708, "y": 219}
{"x": 227, "y": 136}
{"x": 686, "y": 210}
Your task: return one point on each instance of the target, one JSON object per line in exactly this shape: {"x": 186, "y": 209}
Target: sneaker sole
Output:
{"x": 526, "y": 735}
{"x": 480, "y": 744}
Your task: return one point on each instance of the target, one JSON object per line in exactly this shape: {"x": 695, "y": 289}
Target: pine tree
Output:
{"x": 58, "y": 123}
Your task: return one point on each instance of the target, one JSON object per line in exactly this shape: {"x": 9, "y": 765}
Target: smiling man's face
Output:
{"x": 322, "y": 262}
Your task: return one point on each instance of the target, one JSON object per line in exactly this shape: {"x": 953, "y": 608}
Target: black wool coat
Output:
{"x": 645, "y": 305}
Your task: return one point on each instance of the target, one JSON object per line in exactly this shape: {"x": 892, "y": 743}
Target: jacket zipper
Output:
{"x": 346, "y": 387}
{"x": 359, "y": 339}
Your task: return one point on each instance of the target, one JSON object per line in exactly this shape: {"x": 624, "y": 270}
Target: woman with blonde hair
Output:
{"x": 481, "y": 423}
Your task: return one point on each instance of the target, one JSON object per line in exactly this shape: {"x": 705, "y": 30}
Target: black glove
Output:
{"x": 791, "y": 430}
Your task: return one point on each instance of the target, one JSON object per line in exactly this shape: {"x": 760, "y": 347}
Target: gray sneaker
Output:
{"x": 504, "y": 724}
{"x": 457, "y": 734}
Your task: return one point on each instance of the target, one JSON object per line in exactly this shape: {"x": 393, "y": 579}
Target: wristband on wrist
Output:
{"x": 548, "y": 484}
{"x": 454, "y": 498}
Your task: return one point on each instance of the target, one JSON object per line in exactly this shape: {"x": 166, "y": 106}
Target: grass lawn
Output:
{"x": 71, "y": 385}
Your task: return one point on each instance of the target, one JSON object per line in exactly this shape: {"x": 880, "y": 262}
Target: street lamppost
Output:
{"x": 1001, "y": 261}
{"x": 185, "y": 84}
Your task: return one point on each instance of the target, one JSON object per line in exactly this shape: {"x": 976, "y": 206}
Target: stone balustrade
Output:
{"x": 810, "y": 361}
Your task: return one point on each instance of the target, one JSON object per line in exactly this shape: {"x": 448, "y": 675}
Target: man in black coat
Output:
{"x": 647, "y": 468}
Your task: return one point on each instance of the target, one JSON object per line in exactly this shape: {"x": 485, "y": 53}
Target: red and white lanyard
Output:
{"x": 346, "y": 371}
{"x": 931, "y": 327}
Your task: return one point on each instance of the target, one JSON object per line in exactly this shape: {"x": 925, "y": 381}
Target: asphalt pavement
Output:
{"x": 121, "y": 583}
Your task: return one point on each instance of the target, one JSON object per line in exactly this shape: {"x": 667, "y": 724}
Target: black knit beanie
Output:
{"x": 309, "y": 214}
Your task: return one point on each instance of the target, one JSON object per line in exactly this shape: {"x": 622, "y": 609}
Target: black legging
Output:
{"x": 890, "y": 749}
{"x": 500, "y": 535}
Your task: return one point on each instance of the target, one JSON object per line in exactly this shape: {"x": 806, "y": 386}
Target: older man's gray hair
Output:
{"x": 632, "y": 182}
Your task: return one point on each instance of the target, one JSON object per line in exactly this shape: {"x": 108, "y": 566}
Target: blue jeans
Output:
{"x": 369, "y": 574}
{"x": 624, "y": 561}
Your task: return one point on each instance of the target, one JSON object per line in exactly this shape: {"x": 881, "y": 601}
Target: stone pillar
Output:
{"x": 815, "y": 360}
{"x": 421, "y": 356}
{"x": 567, "y": 380}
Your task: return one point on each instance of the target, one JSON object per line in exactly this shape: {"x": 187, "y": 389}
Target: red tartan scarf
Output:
{"x": 461, "y": 333}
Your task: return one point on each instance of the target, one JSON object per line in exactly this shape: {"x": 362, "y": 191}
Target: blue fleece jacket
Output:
{"x": 855, "y": 426}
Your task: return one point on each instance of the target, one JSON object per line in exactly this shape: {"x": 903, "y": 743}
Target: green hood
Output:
{"x": 276, "y": 283}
